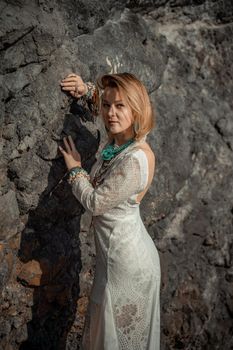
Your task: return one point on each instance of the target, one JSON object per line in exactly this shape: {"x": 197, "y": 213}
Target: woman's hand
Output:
{"x": 71, "y": 155}
{"x": 74, "y": 85}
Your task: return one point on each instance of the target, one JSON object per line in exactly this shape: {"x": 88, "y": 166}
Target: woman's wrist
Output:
{"x": 77, "y": 172}
{"x": 75, "y": 165}
{"x": 90, "y": 99}
{"x": 86, "y": 90}
{"x": 90, "y": 90}
{"x": 74, "y": 168}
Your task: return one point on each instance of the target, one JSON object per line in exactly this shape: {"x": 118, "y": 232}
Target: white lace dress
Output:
{"x": 124, "y": 306}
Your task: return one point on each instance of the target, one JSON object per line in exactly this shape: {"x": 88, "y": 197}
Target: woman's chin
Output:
{"x": 114, "y": 130}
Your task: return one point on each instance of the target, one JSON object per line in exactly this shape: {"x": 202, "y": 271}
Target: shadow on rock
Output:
{"x": 50, "y": 246}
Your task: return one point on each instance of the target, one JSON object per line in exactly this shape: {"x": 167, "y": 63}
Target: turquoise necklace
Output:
{"x": 111, "y": 150}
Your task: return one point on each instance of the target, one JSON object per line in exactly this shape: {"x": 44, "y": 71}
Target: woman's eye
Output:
{"x": 105, "y": 105}
{"x": 120, "y": 105}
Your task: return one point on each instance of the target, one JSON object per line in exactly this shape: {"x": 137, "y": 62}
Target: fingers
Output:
{"x": 74, "y": 79}
{"x": 74, "y": 85}
{"x": 71, "y": 155}
{"x": 72, "y": 76}
{"x": 72, "y": 145}
{"x": 68, "y": 81}
{"x": 62, "y": 150}
{"x": 71, "y": 85}
{"x": 69, "y": 88}
{"x": 67, "y": 146}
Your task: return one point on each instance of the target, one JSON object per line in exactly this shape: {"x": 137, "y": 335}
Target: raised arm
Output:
{"x": 87, "y": 93}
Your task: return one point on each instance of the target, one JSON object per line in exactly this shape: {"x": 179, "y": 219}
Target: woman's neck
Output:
{"x": 120, "y": 139}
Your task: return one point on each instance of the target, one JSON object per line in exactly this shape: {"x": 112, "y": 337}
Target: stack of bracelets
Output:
{"x": 90, "y": 99}
{"x": 77, "y": 172}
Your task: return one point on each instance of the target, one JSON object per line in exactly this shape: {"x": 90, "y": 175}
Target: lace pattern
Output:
{"x": 117, "y": 187}
{"x": 124, "y": 308}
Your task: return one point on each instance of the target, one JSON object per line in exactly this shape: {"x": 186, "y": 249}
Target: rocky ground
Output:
{"x": 182, "y": 50}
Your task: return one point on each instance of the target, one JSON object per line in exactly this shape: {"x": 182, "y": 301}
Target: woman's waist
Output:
{"x": 122, "y": 246}
{"x": 128, "y": 260}
{"x": 116, "y": 217}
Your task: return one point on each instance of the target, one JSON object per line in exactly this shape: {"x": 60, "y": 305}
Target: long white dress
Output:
{"x": 124, "y": 306}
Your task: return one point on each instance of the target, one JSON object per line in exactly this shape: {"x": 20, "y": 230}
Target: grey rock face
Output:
{"x": 9, "y": 216}
{"x": 182, "y": 50}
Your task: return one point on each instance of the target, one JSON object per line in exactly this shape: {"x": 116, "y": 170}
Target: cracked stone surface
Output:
{"x": 182, "y": 50}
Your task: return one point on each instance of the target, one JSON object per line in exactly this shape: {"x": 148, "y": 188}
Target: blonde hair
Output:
{"x": 136, "y": 96}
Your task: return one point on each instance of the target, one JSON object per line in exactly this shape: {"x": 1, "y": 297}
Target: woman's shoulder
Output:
{"x": 144, "y": 149}
{"x": 146, "y": 159}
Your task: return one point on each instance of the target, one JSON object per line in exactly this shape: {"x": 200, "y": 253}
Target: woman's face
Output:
{"x": 116, "y": 112}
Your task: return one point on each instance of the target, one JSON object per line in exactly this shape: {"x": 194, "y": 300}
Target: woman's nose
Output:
{"x": 111, "y": 111}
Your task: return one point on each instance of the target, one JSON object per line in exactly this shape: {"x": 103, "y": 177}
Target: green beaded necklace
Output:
{"x": 110, "y": 151}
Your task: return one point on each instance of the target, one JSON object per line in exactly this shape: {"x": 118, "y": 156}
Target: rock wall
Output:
{"x": 182, "y": 50}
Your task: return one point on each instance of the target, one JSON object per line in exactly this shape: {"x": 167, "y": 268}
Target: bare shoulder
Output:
{"x": 149, "y": 152}
{"x": 145, "y": 147}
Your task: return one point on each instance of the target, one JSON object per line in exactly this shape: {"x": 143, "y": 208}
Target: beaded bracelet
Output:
{"x": 91, "y": 88}
{"x": 77, "y": 172}
{"x": 90, "y": 99}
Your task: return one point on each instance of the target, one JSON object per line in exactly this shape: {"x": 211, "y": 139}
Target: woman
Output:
{"x": 124, "y": 308}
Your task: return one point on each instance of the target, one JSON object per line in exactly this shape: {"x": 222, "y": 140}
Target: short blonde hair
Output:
{"x": 136, "y": 96}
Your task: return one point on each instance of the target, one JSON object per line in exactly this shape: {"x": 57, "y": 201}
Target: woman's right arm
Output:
{"x": 87, "y": 93}
{"x": 123, "y": 182}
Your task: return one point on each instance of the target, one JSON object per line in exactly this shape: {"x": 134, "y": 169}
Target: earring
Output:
{"x": 135, "y": 127}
